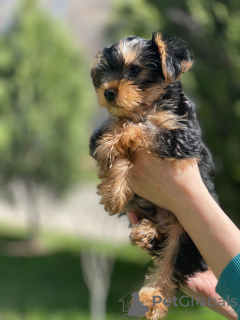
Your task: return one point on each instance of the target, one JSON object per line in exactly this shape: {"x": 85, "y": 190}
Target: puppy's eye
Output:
{"x": 134, "y": 70}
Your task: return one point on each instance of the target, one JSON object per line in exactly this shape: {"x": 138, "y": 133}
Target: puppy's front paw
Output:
{"x": 113, "y": 197}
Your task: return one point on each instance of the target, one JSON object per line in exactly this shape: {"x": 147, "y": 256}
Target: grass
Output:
{"x": 49, "y": 284}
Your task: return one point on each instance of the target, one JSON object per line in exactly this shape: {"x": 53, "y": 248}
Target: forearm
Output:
{"x": 180, "y": 190}
{"x": 215, "y": 235}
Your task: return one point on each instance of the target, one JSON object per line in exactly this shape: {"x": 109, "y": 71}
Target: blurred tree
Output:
{"x": 44, "y": 106}
{"x": 211, "y": 28}
{"x": 97, "y": 266}
{"x": 97, "y": 270}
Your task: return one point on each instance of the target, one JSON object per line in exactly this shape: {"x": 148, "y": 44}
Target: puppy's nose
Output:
{"x": 110, "y": 94}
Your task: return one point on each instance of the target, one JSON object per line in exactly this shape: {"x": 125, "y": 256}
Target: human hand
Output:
{"x": 169, "y": 184}
{"x": 202, "y": 286}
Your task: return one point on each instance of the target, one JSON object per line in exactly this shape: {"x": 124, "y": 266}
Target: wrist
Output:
{"x": 189, "y": 196}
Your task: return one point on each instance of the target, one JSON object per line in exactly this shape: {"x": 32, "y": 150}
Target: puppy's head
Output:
{"x": 133, "y": 73}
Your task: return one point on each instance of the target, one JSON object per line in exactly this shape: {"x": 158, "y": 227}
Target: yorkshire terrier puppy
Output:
{"x": 137, "y": 80}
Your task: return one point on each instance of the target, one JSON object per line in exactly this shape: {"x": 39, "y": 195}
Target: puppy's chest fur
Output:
{"x": 163, "y": 132}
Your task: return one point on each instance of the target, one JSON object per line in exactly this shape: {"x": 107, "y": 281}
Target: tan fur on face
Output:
{"x": 130, "y": 102}
{"x": 128, "y": 99}
{"x": 153, "y": 93}
{"x": 129, "y": 53}
{"x": 129, "y": 96}
{"x": 100, "y": 92}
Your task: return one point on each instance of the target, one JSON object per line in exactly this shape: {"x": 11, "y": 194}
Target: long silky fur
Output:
{"x": 149, "y": 111}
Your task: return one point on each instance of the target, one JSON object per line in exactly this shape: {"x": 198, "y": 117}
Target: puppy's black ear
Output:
{"x": 175, "y": 56}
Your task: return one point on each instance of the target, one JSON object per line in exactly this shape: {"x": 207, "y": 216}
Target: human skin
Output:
{"x": 177, "y": 187}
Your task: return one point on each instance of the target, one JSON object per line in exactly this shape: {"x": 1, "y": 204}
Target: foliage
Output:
{"x": 44, "y": 109}
{"x": 211, "y": 28}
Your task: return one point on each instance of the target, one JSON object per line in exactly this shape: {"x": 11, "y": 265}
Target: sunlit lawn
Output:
{"x": 49, "y": 284}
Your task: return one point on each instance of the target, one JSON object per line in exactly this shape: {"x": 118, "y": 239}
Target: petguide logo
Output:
{"x": 132, "y": 306}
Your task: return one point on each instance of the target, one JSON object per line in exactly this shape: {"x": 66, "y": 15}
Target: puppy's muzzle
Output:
{"x": 110, "y": 94}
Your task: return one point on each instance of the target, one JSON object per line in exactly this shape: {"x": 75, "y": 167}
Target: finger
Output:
{"x": 202, "y": 286}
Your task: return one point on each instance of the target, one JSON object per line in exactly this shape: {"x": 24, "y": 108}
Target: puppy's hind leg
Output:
{"x": 147, "y": 236}
{"x": 162, "y": 283}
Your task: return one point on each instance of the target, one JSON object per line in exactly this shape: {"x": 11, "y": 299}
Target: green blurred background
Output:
{"x": 61, "y": 256}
